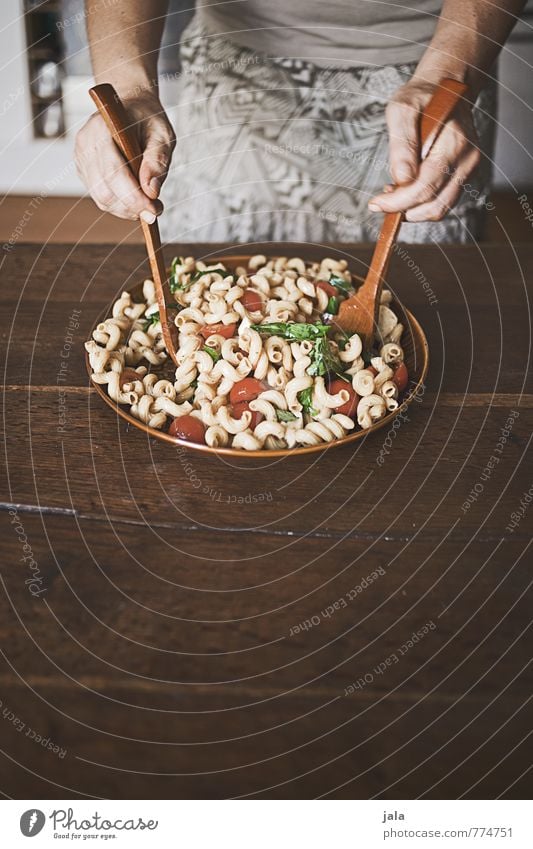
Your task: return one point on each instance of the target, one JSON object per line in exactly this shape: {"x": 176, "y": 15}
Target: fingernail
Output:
{"x": 148, "y": 216}
{"x": 155, "y": 185}
{"x": 374, "y": 207}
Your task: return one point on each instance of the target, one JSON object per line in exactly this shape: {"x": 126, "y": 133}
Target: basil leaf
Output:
{"x": 197, "y": 274}
{"x": 324, "y": 361}
{"x": 151, "y": 320}
{"x": 333, "y": 305}
{"x": 174, "y": 283}
{"x": 305, "y": 397}
{"x": 341, "y": 284}
{"x": 286, "y": 416}
{"x": 294, "y": 331}
{"x": 215, "y": 356}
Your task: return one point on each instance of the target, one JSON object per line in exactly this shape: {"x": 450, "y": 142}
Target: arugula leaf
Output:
{"x": 286, "y": 416}
{"x": 215, "y": 356}
{"x": 305, "y": 397}
{"x": 341, "y": 284}
{"x": 295, "y": 331}
{"x": 333, "y": 305}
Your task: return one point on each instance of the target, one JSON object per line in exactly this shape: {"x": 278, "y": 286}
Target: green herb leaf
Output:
{"x": 333, "y": 305}
{"x": 178, "y": 260}
{"x": 341, "y": 284}
{"x": 324, "y": 361}
{"x": 293, "y": 330}
{"x": 305, "y": 397}
{"x": 215, "y": 355}
{"x": 286, "y": 416}
{"x": 151, "y": 320}
{"x": 222, "y": 271}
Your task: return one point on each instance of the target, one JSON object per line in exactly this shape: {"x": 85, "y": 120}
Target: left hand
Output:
{"x": 426, "y": 191}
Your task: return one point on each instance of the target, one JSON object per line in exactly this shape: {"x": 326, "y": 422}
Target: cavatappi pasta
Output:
{"x": 260, "y": 366}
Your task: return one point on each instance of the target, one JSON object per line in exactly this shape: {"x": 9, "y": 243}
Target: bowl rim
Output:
{"x": 163, "y": 436}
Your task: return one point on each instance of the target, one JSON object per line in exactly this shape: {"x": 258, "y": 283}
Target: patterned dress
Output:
{"x": 273, "y": 149}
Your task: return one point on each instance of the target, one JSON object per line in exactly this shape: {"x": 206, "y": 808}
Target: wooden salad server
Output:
{"x": 359, "y": 313}
{"x": 112, "y": 111}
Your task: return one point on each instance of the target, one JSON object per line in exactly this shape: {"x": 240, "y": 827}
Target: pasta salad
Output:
{"x": 261, "y": 363}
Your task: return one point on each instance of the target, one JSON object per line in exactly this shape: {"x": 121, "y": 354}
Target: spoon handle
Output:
{"x": 119, "y": 124}
{"x": 433, "y": 118}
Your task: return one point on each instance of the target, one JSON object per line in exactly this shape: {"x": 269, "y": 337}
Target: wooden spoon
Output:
{"x": 112, "y": 111}
{"x": 359, "y": 313}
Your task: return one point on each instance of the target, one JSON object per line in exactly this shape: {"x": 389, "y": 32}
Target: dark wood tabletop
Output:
{"x": 354, "y": 623}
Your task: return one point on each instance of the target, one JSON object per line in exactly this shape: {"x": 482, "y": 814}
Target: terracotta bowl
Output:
{"x": 413, "y": 342}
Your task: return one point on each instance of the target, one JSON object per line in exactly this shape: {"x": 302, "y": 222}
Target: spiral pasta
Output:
{"x": 258, "y": 369}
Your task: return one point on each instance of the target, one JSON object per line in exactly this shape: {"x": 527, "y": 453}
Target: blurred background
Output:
{"x": 46, "y": 73}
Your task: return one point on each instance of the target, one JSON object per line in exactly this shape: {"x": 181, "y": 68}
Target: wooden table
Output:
{"x": 183, "y": 627}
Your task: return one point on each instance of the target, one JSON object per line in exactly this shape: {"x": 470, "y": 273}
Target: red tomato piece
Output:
{"x": 350, "y": 407}
{"x": 241, "y": 406}
{"x": 128, "y": 376}
{"x": 225, "y": 330}
{"x": 371, "y": 369}
{"x": 245, "y": 390}
{"x": 400, "y": 376}
{"x": 330, "y": 290}
{"x": 189, "y": 428}
{"x": 251, "y": 300}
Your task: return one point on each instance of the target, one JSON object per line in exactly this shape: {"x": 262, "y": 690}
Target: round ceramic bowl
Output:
{"x": 416, "y": 356}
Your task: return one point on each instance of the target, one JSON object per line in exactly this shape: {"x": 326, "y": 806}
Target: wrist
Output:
{"x": 131, "y": 82}
{"x": 436, "y": 64}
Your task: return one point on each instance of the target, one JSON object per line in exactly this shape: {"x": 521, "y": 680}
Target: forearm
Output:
{"x": 124, "y": 38}
{"x": 467, "y": 40}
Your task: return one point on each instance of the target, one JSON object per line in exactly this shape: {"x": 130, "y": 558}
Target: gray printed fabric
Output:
{"x": 337, "y": 32}
{"x": 273, "y": 149}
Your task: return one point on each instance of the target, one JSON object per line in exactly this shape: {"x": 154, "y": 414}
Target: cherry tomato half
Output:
{"x": 189, "y": 428}
{"x": 245, "y": 390}
{"x": 330, "y": 290}
{"x": 128, "y": 376}
{"x": 240, "y": 407}
{"x": 400, "y": 376}
{"x": 251, "y": 300}
{"x": 372, "y": 370}
{"x": 350, "y": 407}
{"x": 225, "y": 330}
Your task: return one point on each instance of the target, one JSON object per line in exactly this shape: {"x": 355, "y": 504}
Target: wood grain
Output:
{"x": 191, "y": 640}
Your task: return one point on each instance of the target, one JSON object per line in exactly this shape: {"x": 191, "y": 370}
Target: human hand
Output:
{"x": 426, "y": 191}
{"x": 104, "y": 171}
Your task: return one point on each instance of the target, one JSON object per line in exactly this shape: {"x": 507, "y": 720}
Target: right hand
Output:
{"x": 108, "y": 178}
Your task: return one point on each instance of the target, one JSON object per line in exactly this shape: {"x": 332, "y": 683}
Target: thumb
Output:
{"x": 404, "y": 146}
{"x": 155, "y": 163}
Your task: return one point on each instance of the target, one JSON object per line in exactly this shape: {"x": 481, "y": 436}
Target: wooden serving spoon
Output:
{"x": 112, "y": 111}
{"x": 359, "y": 313}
